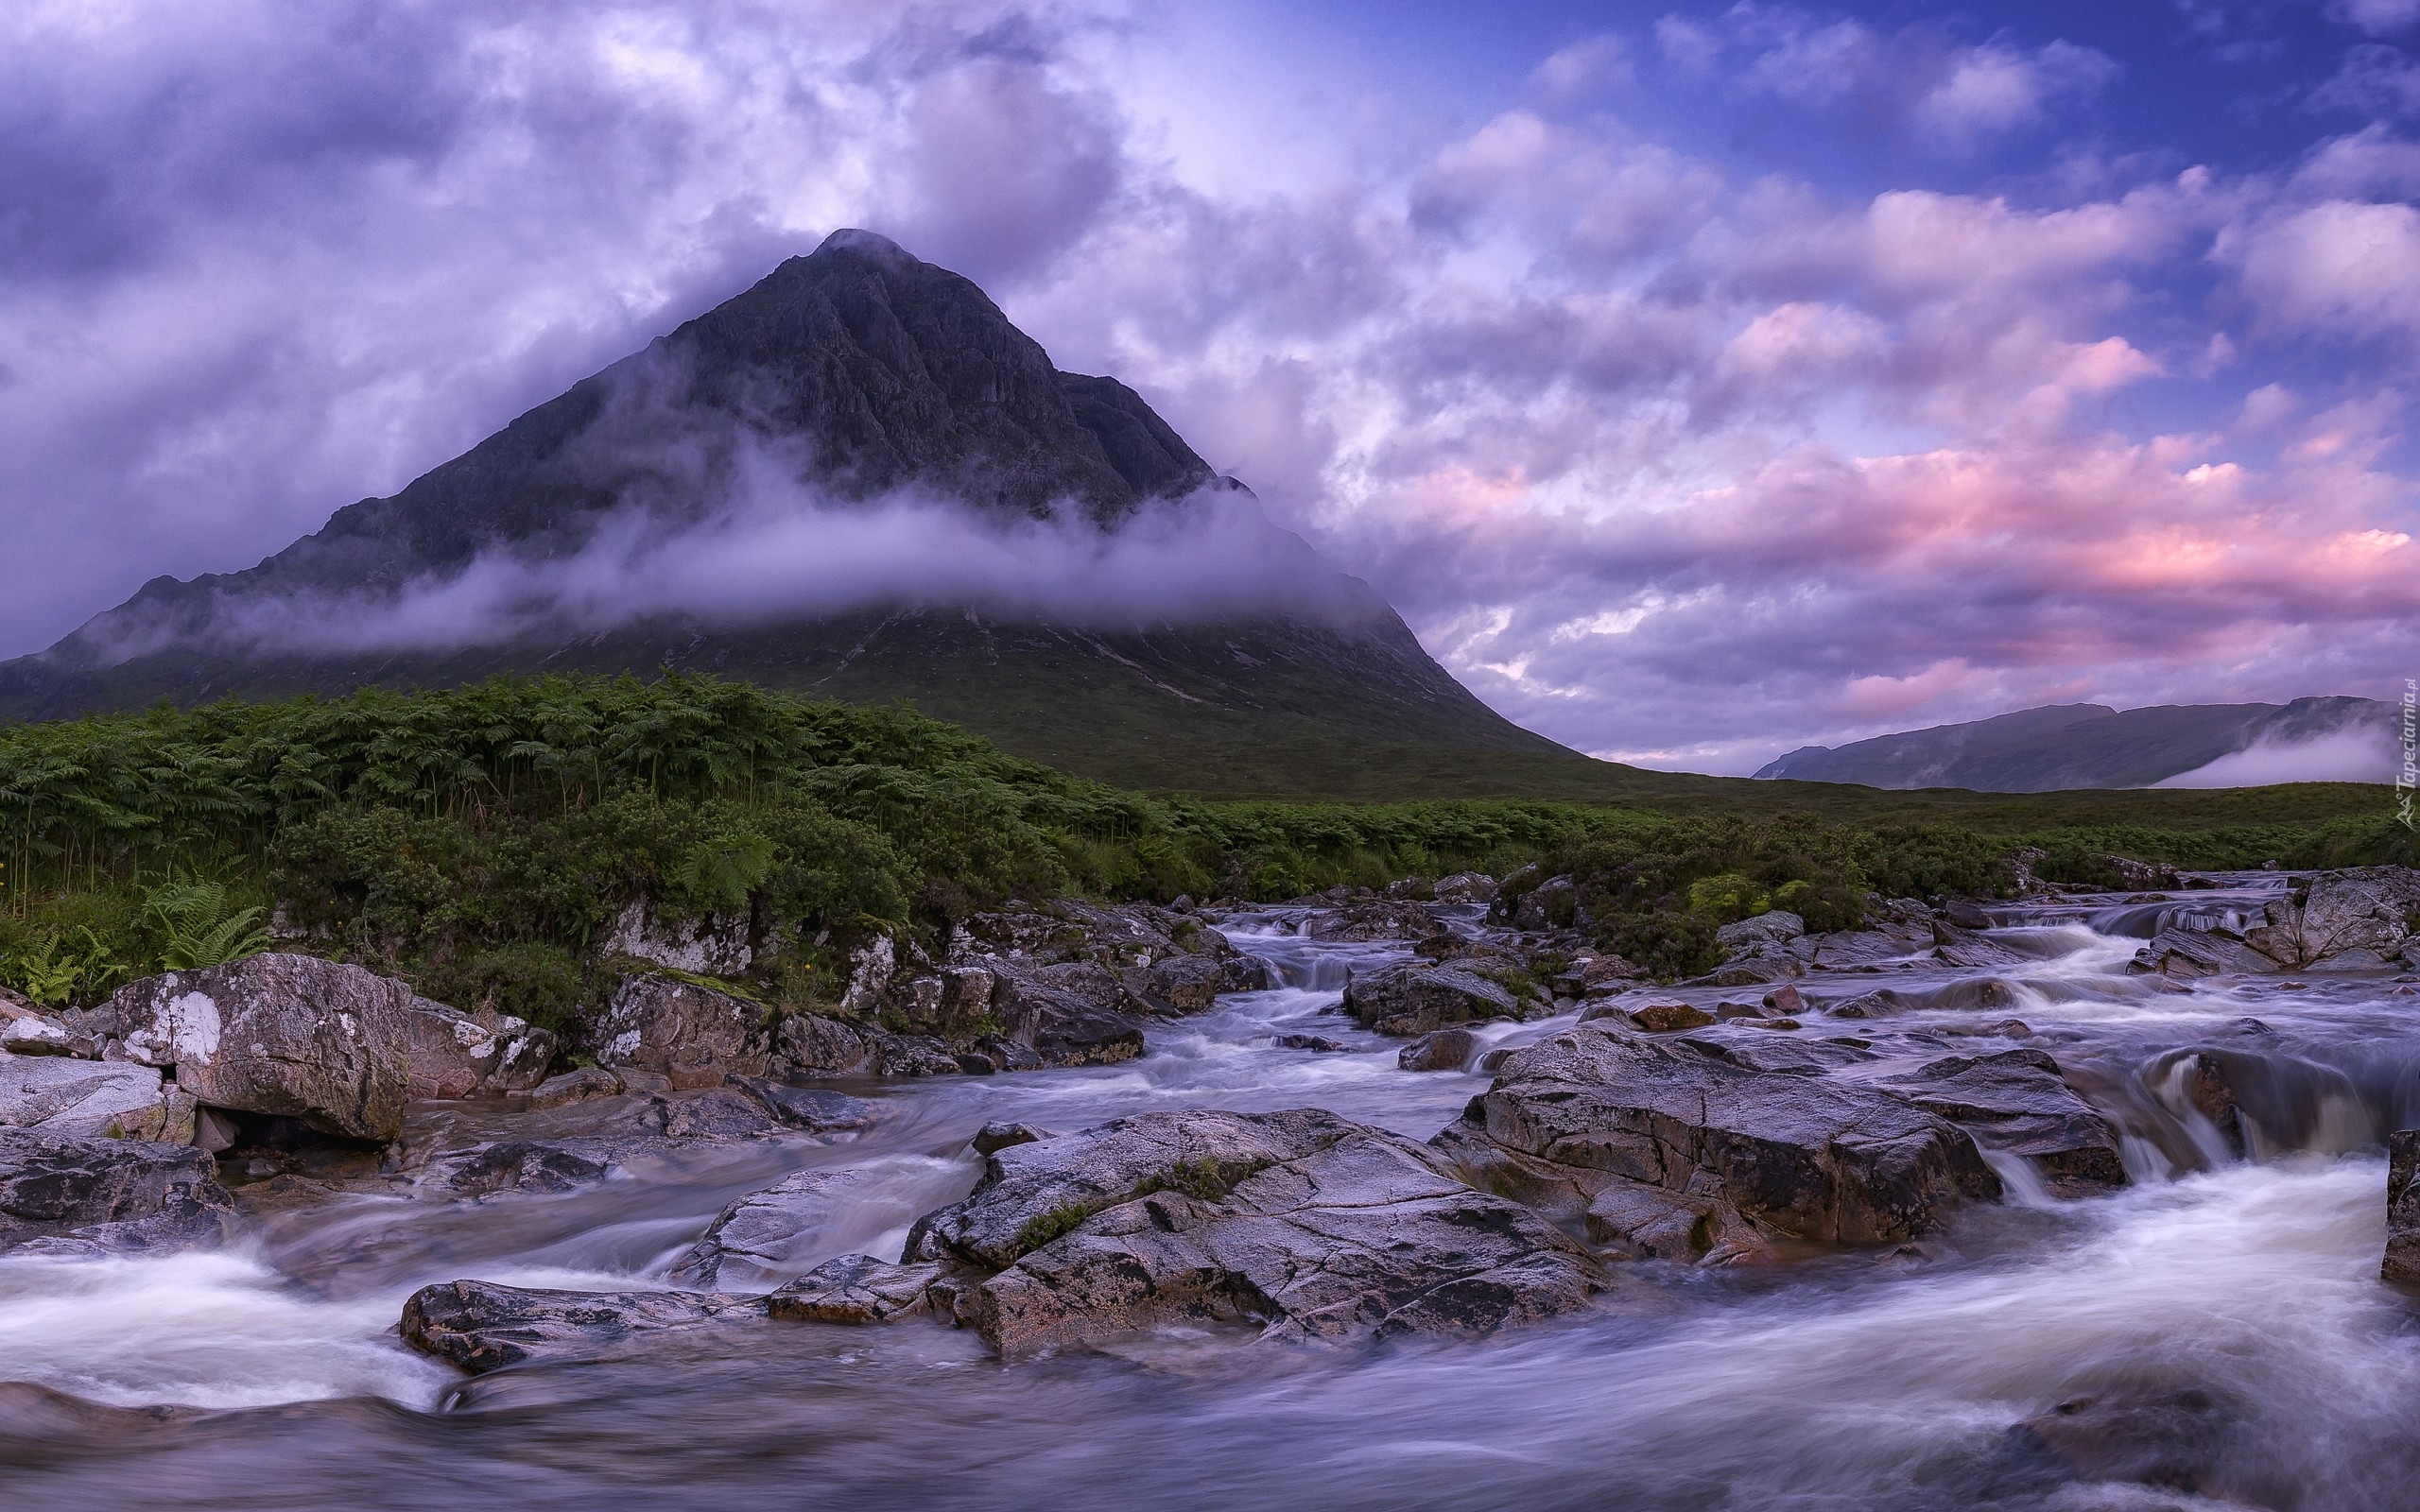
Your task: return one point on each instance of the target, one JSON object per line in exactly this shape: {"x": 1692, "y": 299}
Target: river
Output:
{"x": 270, "y": 1375}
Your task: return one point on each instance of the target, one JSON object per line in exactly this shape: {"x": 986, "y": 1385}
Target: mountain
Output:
{"x": 2088, "y": 744}
{"x": 861, "y": 375}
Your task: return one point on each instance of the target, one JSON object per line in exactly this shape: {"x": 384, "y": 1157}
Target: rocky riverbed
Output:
{"x": 2075, "y": 1201}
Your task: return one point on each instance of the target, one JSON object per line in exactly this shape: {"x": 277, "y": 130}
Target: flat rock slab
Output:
{"x": 1797, "y": 1154}
{"x": 854, "y": 1289}
{"x": 1298, "y": 1223}
{"x": 70, "y": 1196}
{"x": 482, "y": 1327}
{"x": 112, "y": 1099}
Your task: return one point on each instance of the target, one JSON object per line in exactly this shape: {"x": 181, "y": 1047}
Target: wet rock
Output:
{"x": 1725, "y": 1012}
{"x": 1858, "y": 950}
{"x": 1384, "y": 918}
{"x": 1953, "y": 946}
{"x": 66, "y": 1194}
{"x": 1060, "y": 1023}
{"x": 2260, "y": 1100}
{"x": 2194, "y": 953}
{"x": 1465, "y": 887}
{"x": 1774, "y": 927}
{"x": 291, "y": 1035}
{"x": 1800, "y": 1156}
{"x": 451, "y": 1053}
{"x": 2402, "y": 1264}
{"x": 482, "y": 1327}
{"x": 1411, "y": 999}
{"x": 761, "y": 1239}
{"x": 1318, "y": 1043}
{"x": 854, "y": 1289}
{"x": 1298, "y": 1223}
{"x": 816, "y": 1109}
{"x": 1185, "y": 984}
{"x": 1882, "y": 1003}
{"x": 1784, "y": 1000}
{"x": 717, "y": 1113}
{"x": 694, "y": 1035}
{"x": 519, "y": 1165}
{"x": 98, "y": 1099}
{"x": 994, "y": 1137}
{"x": 1129, "y": 940}
{"x": 2177, "y": 1438}
{"x": 575, "y": 1087}
{"x": 1966, "y": 914}
{"x": 1666, "y": 1016}
{"x": 2017, "y": 1101}
{"x": 1439, "y": 1050}
{"x": 711, "y": 946}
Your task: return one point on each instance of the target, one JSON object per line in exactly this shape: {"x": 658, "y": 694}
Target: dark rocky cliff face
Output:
{"x": 865, "y": 373}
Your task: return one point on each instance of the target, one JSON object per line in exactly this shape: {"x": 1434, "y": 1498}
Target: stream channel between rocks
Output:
{"x": 2240, "y": 1290}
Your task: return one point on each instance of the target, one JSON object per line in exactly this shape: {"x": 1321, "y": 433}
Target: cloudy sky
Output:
{"x": 1699, "y": 380}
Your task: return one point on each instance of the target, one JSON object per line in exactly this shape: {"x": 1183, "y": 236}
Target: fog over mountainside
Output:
{"x": 2072, "y": 746}
{"x": 857, "y": 478}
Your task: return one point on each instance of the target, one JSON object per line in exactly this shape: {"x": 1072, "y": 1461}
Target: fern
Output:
{"x": 196, "y": 931}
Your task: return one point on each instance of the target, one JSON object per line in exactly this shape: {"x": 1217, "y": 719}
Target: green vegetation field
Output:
{"x": 479, "y": 841}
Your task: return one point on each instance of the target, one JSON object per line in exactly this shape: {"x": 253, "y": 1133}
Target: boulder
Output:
{"x": 1317, "y": 1043}
{"x": 1784, "y": 1000}
{"x": 1382, "y": 918}
{"x": 1439, "y": 1050}
{"x": 1968, "y": 915}
{"x": 714, "y": 945}
{"x": 1411, "y": 999}
{"x": 766, "y": 1237}
{"x": 1553, "y": 904}
{"x": 26, "y": 1030}
{"x": 292, "y": 1036}
{"x": 577, "y": 1086}
{"x": 2017, "y": 1101}
{"x": 1298, "y": 1224}
{"x": 693, "y": 1035}
{"x": 1185, "y": 984}
{"x": 1800, "y": 1155}
{"x": 854, "y": 1289}
{"x": 816, "y": 1109}
{"x": 2367, "y": 908}
{"x": 1777, "y": 926}
{"x": 811, "y": 1042}
{"x": 2177, "y": 1438}
{"x": 452, "y": 1054}
{"x": 998, "y": 1135}
{"x": 482, "y": 1327}
{"x": 1465, "y": 887}
{"x": 66, "y": 1194}
{"x": 101, "y": 1099}
{"x": 1667, "y": 1014}
{"x": 520, "y": 1165}
{"x": 2401, "y": 1266}
{"x": 2193, "y": 953}
{"x": 1062, "y": 1014}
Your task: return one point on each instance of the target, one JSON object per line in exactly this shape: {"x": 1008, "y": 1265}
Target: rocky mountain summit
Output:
{"x": 857, "y": 374}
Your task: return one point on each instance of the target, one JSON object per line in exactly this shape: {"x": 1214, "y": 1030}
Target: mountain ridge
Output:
{"x": 871, "y": 374}
{"x": 2060, "y": 747}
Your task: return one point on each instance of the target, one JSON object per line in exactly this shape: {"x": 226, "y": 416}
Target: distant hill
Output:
{"x": 2078, "y": 745}
{"x": 866, "y": 373}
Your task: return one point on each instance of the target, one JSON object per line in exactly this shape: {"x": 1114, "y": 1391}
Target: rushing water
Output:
{"x": 269, "y": 1376}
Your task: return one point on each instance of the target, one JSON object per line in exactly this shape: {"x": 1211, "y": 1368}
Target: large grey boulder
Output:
{"x": 102, "y": 1099}
{"x": 1414, "y": 999}
{"x": 71, "y": 1195}
{"x": 1300, "y": 1222}
{"x": 2195, "y": 952}
{"x": 2017, "y": 1101}
{"x": 693, "y": 1035}
{"x": 452, "y": 1054}
{"x": 1594, "y": 1109}
{"x": 480, "y": 1327}
{"x": 293, "y": 1036}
